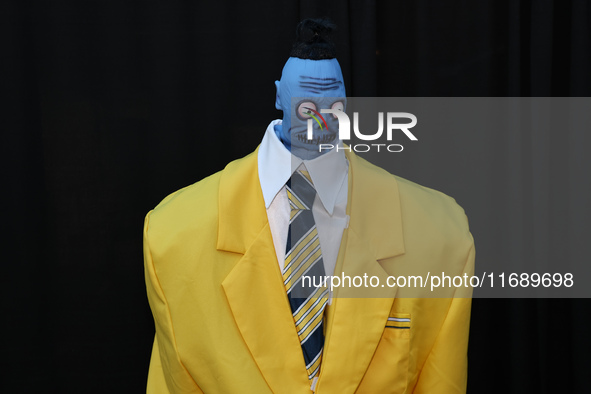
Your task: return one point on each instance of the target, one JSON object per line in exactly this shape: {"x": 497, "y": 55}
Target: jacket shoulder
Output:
{"x": 420, "y": 204}
{"x": 192, "y": 209}
{"x": 431, "y": 201}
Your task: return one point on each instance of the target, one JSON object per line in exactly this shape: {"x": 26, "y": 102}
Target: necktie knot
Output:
{"x": 300, "y": 191}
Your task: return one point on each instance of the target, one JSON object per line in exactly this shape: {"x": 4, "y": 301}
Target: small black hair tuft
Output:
{"x": 313, "y": 40}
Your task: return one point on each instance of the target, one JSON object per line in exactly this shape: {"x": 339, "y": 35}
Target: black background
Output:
{"x": 111, "y": 105}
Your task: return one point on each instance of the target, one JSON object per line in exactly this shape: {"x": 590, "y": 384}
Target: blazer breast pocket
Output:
{"x": 388, "y": 371}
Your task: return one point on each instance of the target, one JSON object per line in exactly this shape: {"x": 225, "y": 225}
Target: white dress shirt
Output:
{"x": 329, "y": 173}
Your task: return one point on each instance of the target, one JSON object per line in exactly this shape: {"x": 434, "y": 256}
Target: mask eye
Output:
{"x": 305, "y": 109}
{"x": 339, "y": 106}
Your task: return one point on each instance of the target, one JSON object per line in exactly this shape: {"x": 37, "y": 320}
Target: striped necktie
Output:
{"x": 303, "y": 257}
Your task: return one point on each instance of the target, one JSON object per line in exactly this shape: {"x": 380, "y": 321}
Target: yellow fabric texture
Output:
{"x": 223, "y": 322}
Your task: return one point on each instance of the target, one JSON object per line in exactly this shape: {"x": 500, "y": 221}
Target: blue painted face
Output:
{"x": 306, "y": 87}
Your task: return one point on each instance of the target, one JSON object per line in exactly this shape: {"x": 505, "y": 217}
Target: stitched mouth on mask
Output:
{"x": 325, "y": 139}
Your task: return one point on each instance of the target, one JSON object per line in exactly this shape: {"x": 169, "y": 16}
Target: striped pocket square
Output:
{"x": 399, "y": 321}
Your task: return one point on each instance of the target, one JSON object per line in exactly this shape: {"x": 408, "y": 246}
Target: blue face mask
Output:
{"x": 306, "y": 87}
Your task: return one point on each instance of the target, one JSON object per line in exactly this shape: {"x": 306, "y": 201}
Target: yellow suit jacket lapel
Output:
{"x": 355, "y": 325}
{"x": 254, "y": 287}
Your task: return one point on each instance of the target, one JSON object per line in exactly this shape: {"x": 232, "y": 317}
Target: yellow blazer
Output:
{"x": 223, "y": 322}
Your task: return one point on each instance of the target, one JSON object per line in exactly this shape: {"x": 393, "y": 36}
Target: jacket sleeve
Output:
{"x": 167, "y": 374}
{"x": 446, "y": 368}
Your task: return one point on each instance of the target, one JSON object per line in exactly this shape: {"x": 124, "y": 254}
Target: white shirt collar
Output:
{"x": 276, "y": 164}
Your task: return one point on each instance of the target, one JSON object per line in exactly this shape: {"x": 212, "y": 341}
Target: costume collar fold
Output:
{"x": 276, "y": 164}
